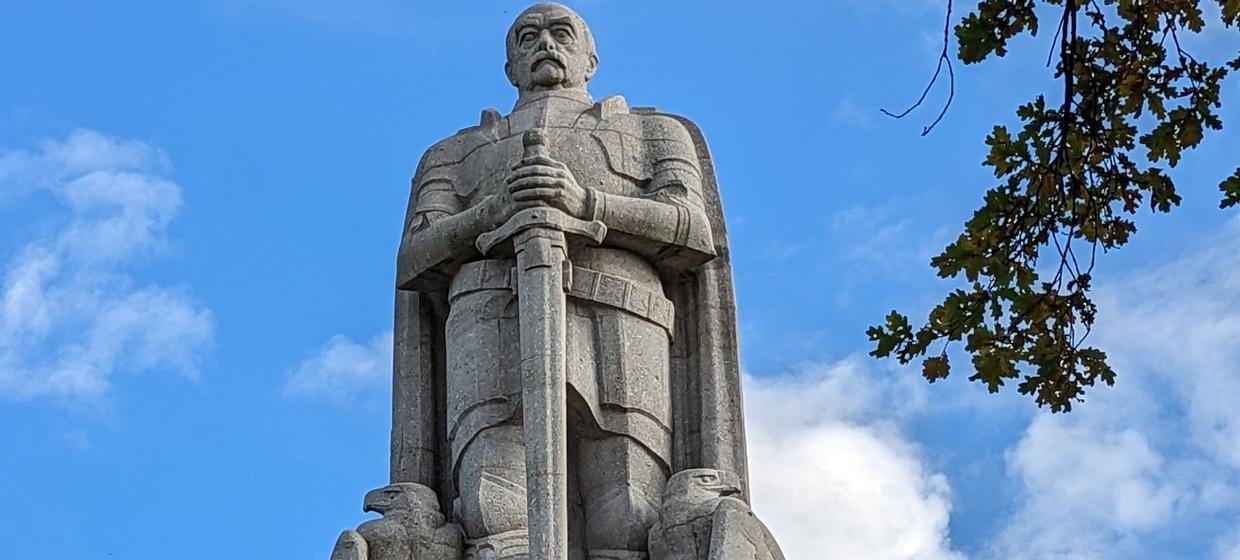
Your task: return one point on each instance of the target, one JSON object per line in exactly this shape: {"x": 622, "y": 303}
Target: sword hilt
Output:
{"x": 543, "y": 218}
{"x": 535, "y": 143}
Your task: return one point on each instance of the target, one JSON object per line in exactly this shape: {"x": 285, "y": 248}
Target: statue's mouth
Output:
{"x": 549, "y": 57}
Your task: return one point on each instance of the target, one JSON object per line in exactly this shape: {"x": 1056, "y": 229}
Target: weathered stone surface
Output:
{"x": 703, "y": 517}
{"x": 565, "y": 324}
{"x": 411, "y": 527}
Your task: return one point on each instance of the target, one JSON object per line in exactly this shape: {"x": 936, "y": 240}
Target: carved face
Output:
{"x": 697, "y": 485}
{"x": 383, "y": 500}
{"x": 407, "y": 497}
{"x": 550, "y": 47}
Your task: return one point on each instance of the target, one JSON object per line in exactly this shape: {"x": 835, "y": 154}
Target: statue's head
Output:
{"x": 406, "y": 497}
{"x": 550, "y": 47}
{"x": 699, "y": 485}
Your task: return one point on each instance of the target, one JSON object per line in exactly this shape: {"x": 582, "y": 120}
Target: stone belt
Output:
{"x": 583, "y": 283}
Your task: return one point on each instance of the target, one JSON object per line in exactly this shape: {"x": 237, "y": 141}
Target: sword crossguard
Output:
{"x": 546, "y": 218}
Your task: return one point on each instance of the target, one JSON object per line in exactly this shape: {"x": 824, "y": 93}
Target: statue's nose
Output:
{"x": 546, "y": 41}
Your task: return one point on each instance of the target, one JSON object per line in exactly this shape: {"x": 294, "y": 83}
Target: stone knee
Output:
{"x": 491, "y": 482}
{"x": 622, "y": 483}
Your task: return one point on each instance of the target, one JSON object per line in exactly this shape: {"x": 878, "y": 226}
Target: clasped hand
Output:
{"x": 542, "y": 181}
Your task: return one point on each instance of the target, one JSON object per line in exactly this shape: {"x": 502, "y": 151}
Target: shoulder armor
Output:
{"x": 456, "y": 148}
{"x": 619, "y": 133}
{"x": 609, "y": 107}
{"x": 659, "y": 127}
{"x": 668, "y": 141}
{"x": 491, "y": 119}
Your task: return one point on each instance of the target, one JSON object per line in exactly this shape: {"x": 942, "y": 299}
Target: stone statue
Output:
{"x": 565, "y": 326}
{"x": 704, "y": 518}
{"x": 411, "y": 527}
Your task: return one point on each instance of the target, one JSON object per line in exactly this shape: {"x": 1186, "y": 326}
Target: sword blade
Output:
{"x": 541, "y": 253}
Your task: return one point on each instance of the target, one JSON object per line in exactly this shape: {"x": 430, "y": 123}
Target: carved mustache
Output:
{"x": 549, "y": 56}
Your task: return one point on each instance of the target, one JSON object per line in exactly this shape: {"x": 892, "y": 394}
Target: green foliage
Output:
{"x": 987, "y": 30}
{"x": 1070, "y": 179}
{"x": 1231, "y": 190}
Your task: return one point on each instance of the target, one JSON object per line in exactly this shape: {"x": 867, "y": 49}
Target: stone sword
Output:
{"x": 543, "y": 274}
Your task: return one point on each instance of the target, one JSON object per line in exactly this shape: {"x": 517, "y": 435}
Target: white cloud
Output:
{"x": 1179, "y": 324}
{"x": 1228, "y": 548}
{"x": 72, "y": 314}
{"x": 1088, "y": 492}
{"x": 342, "y": 369}
{"x": 886, "y": 239}
{"x": 83, "y": 152}
{"x": 1156, "y": 458}
{"x": 831, "y": 474}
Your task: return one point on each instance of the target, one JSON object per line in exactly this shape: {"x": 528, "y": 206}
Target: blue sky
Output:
{"x": 200, "y": 204}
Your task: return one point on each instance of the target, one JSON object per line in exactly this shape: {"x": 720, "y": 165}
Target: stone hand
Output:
{"x": 542, "y": 181}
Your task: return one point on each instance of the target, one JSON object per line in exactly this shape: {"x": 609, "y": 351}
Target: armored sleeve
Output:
{"x": 432, "y": 197}
{"x": 439, "y": 229}
{"x": 670, "y": 214}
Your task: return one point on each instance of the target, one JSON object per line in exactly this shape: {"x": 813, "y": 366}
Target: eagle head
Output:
{"x": 699, "y": 485}
{"x": 398, "y": 497}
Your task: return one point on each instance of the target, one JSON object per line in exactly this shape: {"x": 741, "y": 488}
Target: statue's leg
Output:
{"x": 621, "y": 484}
{"x": 492, "y": 494}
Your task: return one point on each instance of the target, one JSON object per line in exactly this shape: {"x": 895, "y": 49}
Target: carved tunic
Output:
{"x": 619, "y": 318}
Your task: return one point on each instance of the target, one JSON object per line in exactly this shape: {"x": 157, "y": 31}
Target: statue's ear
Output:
{"x": 508, "y": 72}
{"x": 592, "y": 68}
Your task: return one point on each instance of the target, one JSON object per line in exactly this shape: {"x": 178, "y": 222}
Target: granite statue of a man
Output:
{"x": 565, "y": 325}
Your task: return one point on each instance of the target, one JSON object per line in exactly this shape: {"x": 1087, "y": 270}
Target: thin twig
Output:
{"x": 1050, "y": 54}
{"x": 944, "y": 59}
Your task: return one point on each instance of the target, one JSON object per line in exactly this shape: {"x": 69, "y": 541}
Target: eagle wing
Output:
{"x": 350, "y": 546}
{"x": 738, "y": 535}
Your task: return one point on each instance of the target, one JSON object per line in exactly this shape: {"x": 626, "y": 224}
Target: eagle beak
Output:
{"x": 375, "y": 502}
{"x": 730, "y": 486}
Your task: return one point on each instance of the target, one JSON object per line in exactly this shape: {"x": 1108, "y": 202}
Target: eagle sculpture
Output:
{"x": 412, "y": 528}
{"x": 704, "y": 518}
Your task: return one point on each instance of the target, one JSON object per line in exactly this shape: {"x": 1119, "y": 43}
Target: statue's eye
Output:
{"x": 528, "y": 38}
{"x": 562, "y": 35}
